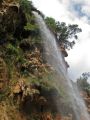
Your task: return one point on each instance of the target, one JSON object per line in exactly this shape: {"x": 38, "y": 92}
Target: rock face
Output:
{"x": 35, "y": 63}
{"x": 12, "y": 20}
{"x": 64, "y": 54}
{"x": 63, "y": 51}
{"x": 25, "y": 62}
{"x": 86, "y": 98}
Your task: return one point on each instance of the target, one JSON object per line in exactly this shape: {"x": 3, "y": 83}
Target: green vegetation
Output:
{"x": 83, "y": 83}
{"x": 20, "y": 37}
{"x": 26, "y": 5}
{"x": 21, "y": 44}
{"x": 21, "y": 50}
{"x": 51, "y": 23}
{"x": 65, "y": 34}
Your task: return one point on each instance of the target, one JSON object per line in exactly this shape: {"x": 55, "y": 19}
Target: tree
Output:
{"x": 86, "y": 75}
{"x": 65, "y": 34}
{"x": 83, "y": 83}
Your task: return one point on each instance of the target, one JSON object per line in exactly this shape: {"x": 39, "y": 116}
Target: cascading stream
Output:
{"x": 55, "y": 59}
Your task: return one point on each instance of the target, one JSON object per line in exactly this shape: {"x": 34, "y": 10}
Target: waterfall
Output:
{"x": 55, "y": 59}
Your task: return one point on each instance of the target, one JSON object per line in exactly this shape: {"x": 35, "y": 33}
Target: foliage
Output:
{"x": 26, "y": 5}
{"x": 31, "y": 24}
{"x": 12, "y": 50}
{"x": 31, "y": 27}
{"x": 83, "y": 83}
{"x": 1, "y": 96}
{"x": 65, "y": 34}
{"x": 51, "y": 23}
{"x": 86, "y": 75}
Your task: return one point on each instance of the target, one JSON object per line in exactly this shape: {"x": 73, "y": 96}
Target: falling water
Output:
{"x": 54, "y": 57}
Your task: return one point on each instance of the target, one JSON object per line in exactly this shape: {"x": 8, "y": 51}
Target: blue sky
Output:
{"x": 73, "y": 12}
{"x": 77, "y": 8}
{"x": 81, "y": 8}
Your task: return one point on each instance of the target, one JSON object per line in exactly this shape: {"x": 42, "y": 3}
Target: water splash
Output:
{"x": 55, "y": 59}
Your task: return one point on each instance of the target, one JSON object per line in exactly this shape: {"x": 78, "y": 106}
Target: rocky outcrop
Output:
{"x": 64, "y": 54}
{"x": 21, "y": 90}
{"x": 23, "y": 57}
{"x": 35, "y": 64}
{"x": 12, "y": 20}
{"x": 86, "y": 98}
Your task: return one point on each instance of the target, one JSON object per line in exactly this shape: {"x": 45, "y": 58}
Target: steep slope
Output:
{"x": 26, "y": 92}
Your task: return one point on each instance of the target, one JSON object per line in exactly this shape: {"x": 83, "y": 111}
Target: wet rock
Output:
{"x": 67, "y": 117}
{"x": 63, "y": 51}
{"x": 46, "y": 116}
{"x": 58, "y": 117}
{"x": 35, "y": 64}
{"x": 86, "y": 98}
{"x": 21, "y": 90}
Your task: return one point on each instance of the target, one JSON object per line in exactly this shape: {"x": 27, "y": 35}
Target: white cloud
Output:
{"x": 85, "y": 6}
{"x": 50, "y": 8}
{"x": 85, "y": 19}
{"x": 79, "y": 56}
{"x": 86, "y": 10}
{"x": 81, "y": 1}
{"x": 78, "y": 1}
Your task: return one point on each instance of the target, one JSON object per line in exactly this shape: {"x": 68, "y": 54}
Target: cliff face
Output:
{"x": 65, "y": 54}
{"x": 25, "y": 87}
{"x": 86, "y": 96}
